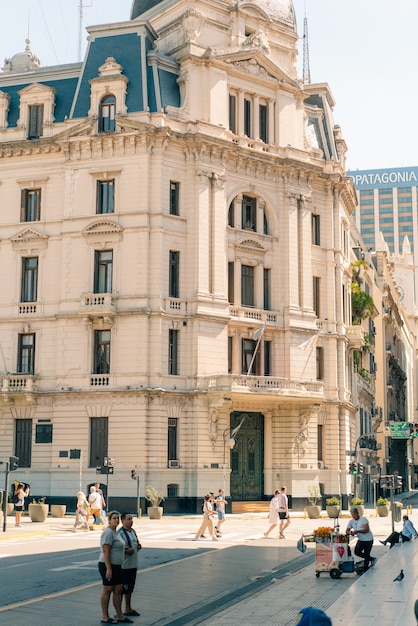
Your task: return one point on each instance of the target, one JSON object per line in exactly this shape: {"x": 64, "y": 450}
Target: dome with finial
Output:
{"x": 277, "y": 9}
{"x": 22, "y": 61}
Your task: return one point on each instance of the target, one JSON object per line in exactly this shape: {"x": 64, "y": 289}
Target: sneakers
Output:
{"x": 266, "y": 534}
{"x": 373, "y": 561}
{"x": 215, "y": 539}
{"x": 196, "y": 538}
{"x": 281, "y": 536}
{"x": 382, "y": 542}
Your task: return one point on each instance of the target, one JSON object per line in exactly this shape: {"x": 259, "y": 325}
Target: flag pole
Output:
{"x": 260, "y": 332}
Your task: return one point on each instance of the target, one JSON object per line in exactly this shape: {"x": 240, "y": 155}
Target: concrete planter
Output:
{"x": 155, "y": 512}
{"x": 313, "y": 511}
{"x": 333, "y": 511}
{"x": 10, "y": 508}
{"x": 58, "y": 510}
{"x": 382, "y": 510}
{"x": 38, "y": 512}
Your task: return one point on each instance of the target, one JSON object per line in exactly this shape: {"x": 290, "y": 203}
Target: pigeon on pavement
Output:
{"x": 399, "y": 577}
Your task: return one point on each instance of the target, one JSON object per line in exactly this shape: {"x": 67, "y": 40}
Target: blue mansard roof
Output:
{"x": 71, "y": 82}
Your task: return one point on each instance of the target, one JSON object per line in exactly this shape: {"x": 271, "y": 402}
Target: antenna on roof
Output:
{"x": 306, "y": 70}
{"x": 80, "y": 28}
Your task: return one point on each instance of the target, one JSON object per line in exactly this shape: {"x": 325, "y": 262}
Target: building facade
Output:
{"x": 176, "y": 260}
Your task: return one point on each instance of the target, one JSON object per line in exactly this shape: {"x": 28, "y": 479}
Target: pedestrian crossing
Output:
{"x": 179, "y": 535}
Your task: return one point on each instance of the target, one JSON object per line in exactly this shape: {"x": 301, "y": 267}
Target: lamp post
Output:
{"x": 232, "y": 432}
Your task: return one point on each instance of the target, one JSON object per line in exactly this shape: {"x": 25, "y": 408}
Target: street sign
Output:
{"x": 400, "y": 430}
{"x": 105, "y": 469}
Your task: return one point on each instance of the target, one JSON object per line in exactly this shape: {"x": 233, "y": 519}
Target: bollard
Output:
{"x": 304, "y": 513}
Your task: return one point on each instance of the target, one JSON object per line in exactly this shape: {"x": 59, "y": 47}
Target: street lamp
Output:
{"x": 232, "y": 432}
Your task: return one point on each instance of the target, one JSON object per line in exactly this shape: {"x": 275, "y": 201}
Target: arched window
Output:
{"x": 107, "y": 114}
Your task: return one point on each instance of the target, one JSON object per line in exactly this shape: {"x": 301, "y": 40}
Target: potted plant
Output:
{"x": 382, "y": 507}
{"x": 314, "y": 494}
{"x": 155, "y": 497}
{"x": 359, "y": 504}
{"x": 333, "y": 507}
{"x": 38, "y": 510}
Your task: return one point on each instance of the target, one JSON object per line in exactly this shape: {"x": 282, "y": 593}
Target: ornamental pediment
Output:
{"x": 29, "y": 240}
{"x": 103, "y": 232}
{"x": 252, "y": 60}
{"x": 251, "y": 244}
{"x": 36, "y": 89}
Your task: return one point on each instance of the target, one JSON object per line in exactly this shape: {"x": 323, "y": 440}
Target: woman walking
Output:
{"x": 82, "y": 512}
{"x": 110, "y": 568}
{"x": 208, "y": 519}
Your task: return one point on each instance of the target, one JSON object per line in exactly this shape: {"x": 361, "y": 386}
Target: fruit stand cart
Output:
{"x": 332, "y": 554}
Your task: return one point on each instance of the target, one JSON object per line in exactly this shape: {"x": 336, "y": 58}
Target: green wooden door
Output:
{"x": 247, "y": 458}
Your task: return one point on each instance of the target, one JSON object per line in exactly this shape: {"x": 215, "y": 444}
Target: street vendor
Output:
{"x": 359, "y": 526}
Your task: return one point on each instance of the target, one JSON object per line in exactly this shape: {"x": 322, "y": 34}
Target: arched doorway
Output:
{"x": 247, "y": 459}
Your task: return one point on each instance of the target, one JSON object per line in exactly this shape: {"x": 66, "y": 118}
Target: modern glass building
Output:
{"x": 387, "y": 204}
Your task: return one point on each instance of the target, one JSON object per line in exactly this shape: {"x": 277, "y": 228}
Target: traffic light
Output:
{"x": 397, "y": 481}
{"x": 13, "y": 463}
{"x": 360, "y": 468}
{"x": 133, "y": 474}
{"x": 413, "y": 429}
{"x": 352, "y": 468}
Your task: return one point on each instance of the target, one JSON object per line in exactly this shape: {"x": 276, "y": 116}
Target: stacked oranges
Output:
{"x": 324, "y": 532}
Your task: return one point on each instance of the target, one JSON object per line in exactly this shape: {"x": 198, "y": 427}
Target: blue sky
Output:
{"x": 365, "y": 50}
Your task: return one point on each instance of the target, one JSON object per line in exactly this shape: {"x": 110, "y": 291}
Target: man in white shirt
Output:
{"x": 359, "y": 526}
{"x": 283, "y": 512}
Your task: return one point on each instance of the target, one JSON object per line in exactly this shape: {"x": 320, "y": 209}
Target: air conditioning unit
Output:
{"x": 173, "y": 464}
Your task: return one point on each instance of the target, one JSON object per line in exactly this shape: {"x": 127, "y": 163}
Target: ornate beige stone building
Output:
{"x": 175, "y": 259}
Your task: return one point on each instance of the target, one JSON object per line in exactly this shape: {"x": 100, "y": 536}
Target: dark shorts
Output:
{"x": 128, "y": 580}
{"x": 282, "y": 514}
{"x": 116, "y": 575}
{"x": 19, "y": 507}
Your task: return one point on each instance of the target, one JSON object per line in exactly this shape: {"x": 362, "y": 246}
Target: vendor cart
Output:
{"x": 332, "y": 554}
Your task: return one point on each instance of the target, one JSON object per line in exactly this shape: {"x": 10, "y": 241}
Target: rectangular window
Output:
{"x": 29, "y": 289}
{"x": 247, "y": 118}
{"x": 267, "y": 289}
{"x": 231, "y": 282}
{"x": 105, "y": 201}
{"x": 263, "y": 122}
{"x": 230, "y": 347}
{"x": 99, "y": 433}
{"x": 172, "y": 439}
{"x": 320, "y": 436}
{"x": 233, "y": 113}
{"x": 30, "y": 209}
{"x": 35, "y": 121}
{"x": 103, "y": 270}
{"x": 317, "y": 295}
{"x": 249, "y": 213}
{"x": 320, "y": 364}
{"x": 101, "y": 363}
{"x": 23, "y": 441}
{"x": 174, "y": 274}
{"x": 174, "y": 198}
{"x": 107, "y": 114}
{"x": 43, "y": 433}
{"x": 248, "y": 347}
{"x": 26, "y": 354}
{"x": 316, "y": 233}
{"x": 173, "y": 351}
{"x": 247, "y": 285}
{"x": 267, "y": 358}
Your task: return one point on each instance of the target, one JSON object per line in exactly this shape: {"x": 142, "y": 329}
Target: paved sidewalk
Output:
{"x": 347, "y": 604}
